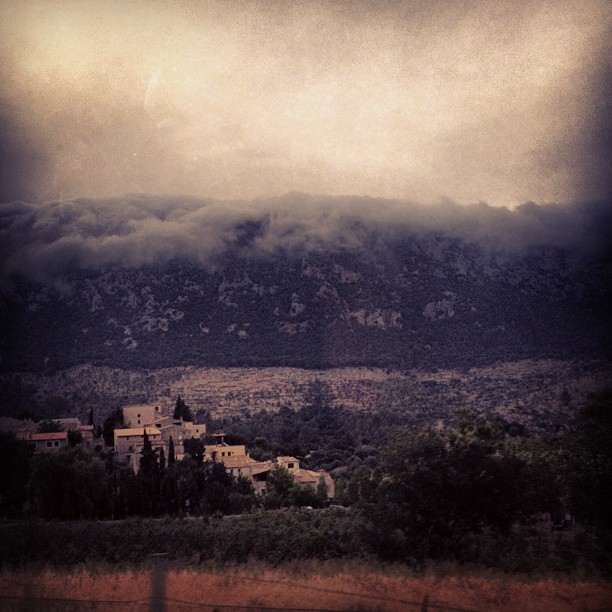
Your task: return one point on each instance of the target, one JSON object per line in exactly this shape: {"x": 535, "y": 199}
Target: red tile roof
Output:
{"x": 53, "y": 435}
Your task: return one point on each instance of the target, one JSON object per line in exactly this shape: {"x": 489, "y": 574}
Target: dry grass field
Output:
{"x": 299, "y": 586}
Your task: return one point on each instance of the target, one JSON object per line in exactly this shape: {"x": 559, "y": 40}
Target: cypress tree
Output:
{"x": 182, "y": 410}
{"x": 171, "y": 452}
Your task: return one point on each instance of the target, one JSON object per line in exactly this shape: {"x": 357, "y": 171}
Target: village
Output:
{"x": 169, "y": 436}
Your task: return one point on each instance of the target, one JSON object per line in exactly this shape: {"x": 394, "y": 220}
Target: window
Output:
{"x": 290, "y": 466}
{"x": 138, "y": 415}
{"x": 49, "y": 443}
{"x": 56, "y": 443}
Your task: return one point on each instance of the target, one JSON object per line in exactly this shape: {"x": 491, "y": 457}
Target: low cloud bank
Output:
{"x": 43, "y": 240}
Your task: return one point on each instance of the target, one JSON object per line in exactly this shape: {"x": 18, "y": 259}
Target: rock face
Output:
{"x": 424, "y": 301}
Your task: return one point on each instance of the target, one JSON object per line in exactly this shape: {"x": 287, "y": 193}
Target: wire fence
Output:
{"x": 157, "y": 601}
{"x": 46, "y": 604}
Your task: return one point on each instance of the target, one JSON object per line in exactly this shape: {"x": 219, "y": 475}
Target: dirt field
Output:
{"x": 298, "y": 587}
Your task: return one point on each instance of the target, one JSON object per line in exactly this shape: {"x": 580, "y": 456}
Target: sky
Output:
{"x": 494, "y": 101}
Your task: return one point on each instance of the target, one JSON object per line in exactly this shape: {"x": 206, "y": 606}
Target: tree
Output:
{"x": 90, "y": 417}
{"x": 15, "y": 466}
{"x": 242, "y": 496}
{"x": 304, "y": 496}
{"x": 321, "y": 490}
{"x": 69, "y": 484}
{"x": 194, "y": 447}
{"x": 49, "y": 427}
{"x": 244, "y": 486}
{"x": 589, "y": 462}
{"x": 149, "y": 477}
{"x": 182, "y": 487}
{"x": 217, "y": 487}
{"x": 114, "y": 420}
{"x": 440, "y": 488}
{"x": 74, "y": 438}
{"x": 171, "y": 452}
{"x": 181, "y": 410}
{"x": 279, "y": 487}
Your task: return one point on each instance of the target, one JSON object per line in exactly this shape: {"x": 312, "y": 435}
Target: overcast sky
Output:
{"x": 503, "y": 102}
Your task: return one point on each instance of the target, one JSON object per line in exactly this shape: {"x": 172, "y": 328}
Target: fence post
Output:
{"x": 159, "y": 564}
{"x": 425, "y": 604}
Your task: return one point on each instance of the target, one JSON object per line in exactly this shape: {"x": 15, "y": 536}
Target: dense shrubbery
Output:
{"x": 284, "y": 535}
{"x": 273, "y": 536}
{"x": 474, "y": 493}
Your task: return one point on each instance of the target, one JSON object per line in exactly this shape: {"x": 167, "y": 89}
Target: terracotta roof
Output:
{"x": 237, "y": 461}
{"x": 52, "y": 435}
{"x": 260, "y": 467}
{"x": 137, "y": 431}
{"x": 306, "y": 476}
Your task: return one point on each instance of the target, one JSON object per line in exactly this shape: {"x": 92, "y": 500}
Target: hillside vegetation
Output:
{"x": 539, "y": 394}
{"x": 482, "y": 491}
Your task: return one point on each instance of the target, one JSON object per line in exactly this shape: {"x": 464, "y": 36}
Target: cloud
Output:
{"x": 43, "y": 241}
{"x": 415, "y": 100}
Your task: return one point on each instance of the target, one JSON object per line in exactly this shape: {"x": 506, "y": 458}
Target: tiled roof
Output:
{"x": 237, "y": 461}
{"x": 52, "y": 435}
{"x": 260, "y": 467}
{"x": 137, "y": 431}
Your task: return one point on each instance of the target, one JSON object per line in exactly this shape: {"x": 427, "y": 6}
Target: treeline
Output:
{"x": 77, "y": 483}
{"x": 563, "y": 472}
{"x": 462, "y": 492}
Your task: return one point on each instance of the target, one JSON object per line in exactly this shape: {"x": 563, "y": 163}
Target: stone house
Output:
{"x": 139, "y": 415}
{"x": 74, "y": 424}
{"x": 237, "y": 462}
{"x": 129, "y": 444}
{"x": 49, "y": 442}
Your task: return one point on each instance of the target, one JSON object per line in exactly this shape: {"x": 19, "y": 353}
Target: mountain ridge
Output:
{"x": 430, "y": 301}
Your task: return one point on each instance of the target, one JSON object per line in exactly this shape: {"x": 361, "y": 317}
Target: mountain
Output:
{"x": 424, "y": 299}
